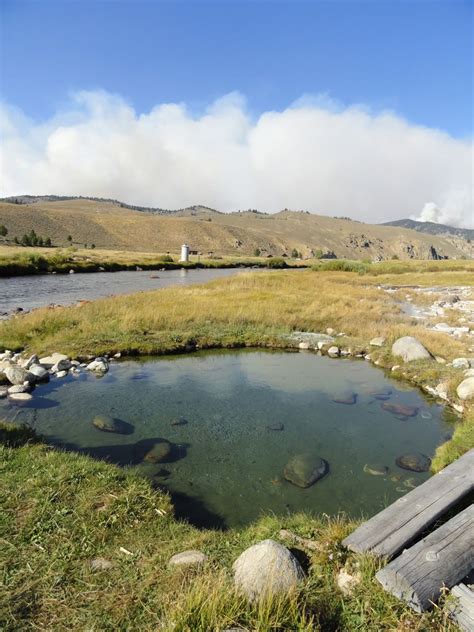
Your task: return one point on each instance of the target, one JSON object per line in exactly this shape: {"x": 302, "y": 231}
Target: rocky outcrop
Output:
{"x": 410, "y": 349}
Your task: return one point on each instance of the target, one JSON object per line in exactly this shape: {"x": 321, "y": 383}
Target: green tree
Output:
{"x": 92, "y": 246}
{"x": 256, "y": 252}
{"x": 3, "y": 231}
{"x": 294, "y": 254}
{"x": 47, "y": 242}
{"x": 69, "y": 238}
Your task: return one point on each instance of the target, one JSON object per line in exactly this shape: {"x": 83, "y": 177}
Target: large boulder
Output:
{"x": 17, "y": 375}
{"x": 465, "y": 390}
{"x": 303, "y": 470}
{"x": 410, "y": 349}
{"x": 265, "y": 570}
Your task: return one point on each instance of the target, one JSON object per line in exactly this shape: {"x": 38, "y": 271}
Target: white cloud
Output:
{"x": 316, "y": 155}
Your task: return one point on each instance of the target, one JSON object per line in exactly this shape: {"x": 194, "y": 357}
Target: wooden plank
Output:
{"x": 442, "y": 559}
{"x": 387, "y": 533}
{"x": 462, "y": 607}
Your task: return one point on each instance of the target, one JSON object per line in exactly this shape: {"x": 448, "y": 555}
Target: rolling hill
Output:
{"x": 432, "y": 228}
{"x": 113, "y": 225}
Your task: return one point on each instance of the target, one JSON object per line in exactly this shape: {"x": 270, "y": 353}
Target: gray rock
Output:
{"x": 303, "y": 470}
{"x": 377, "y": 342}
{"x": 17, "y": 375}
{"x": 188, "y": 558}
{"x": 19, "y": 388}
{"x": 460, "y": 363}
{"x": 410, "y": 349}
{"x": 61, "y": 374}
{"x": 265, "y": 570}
{"x": 29, "y": 362}
{"x": 159, "y": 453}
{"x": 61, "y": 365}
{"x": 415, "y": 462}
{"x": 39, "y": 372}
{"x": 465, "y": 390}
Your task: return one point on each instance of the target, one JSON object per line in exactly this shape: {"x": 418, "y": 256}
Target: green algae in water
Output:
{"x": 247, "y": 414}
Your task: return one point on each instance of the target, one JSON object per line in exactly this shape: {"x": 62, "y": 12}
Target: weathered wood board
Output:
{"x": 388, "y": 532}
{"x": 462, "y": 607}
{"x": 442, "y": 559}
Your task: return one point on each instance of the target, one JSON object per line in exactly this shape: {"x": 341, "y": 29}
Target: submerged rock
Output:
{"x": 159, "y": 453}
{"x": 181, "y": 421}
{"x": 276, "y": 426}
{"x": 104, "y": 423}
{"x": 415, "y": 462}
{"x": 375, "y": 469}
{"x": 381, "y": 394}
{"x": 345, "y": 397}
{"x": 410, "y": 349}
{"x": 265, "y": 570}
{"x": 20, "y": 397}
{"x": 303, "y": 470}
{"x": 399, "y": 410}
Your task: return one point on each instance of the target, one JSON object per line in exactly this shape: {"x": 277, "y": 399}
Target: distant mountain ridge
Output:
{"x": 432, "y": 228}
{"x": 111, "y": 224}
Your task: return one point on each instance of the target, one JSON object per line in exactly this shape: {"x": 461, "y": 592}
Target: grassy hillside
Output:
{"x": 108, "y": 225}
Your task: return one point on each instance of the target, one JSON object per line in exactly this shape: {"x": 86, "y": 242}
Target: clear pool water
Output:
{"x": 227, "y": 463}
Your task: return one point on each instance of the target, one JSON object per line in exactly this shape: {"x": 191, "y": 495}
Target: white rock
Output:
{"x": 50, "y": 361}
{"x": 465, "y": 390}
{"x": 117, "y": 355}
{"x": 333, "y": 351}
{"x": 347, "y": 582}
{"x": 29, "y": 362}
{"x": 440, "y": 360}
{"x": 3, "y": 391}
{"x": 460, "y": 363}
{"x": 410, "y": 349}
{"x": 99, "y": 365}
{"x": 469, "y": 373}
{"x": 395, "y": 367}
{"x": 303, "y": 345}
{"x": 61, "y": 365}
{"x": 377, "y": 342}
{"x": 330, "y": 331}
{"x": 266, "y": 569}
{"x": 368, "y": 357}
{"x": 61, "y": 374}
{"x": 188, "y": 558}
{"x": 442, "y": 390}
{"x": 458, "y": 408}
{"x": 19, "y": 388}
{"x": 20, "y": 397}
{"x": 322, "y": 344}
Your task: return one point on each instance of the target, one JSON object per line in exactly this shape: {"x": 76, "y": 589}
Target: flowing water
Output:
{"x": 30, "y": 292}
{"x": 226, "y": 466}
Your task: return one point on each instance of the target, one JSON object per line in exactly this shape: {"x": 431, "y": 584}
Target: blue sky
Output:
{"x": 413, "y": 57}
{"x": 339, "y": 107}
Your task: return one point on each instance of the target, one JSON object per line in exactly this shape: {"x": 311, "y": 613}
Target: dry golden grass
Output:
{"x": 248, "y": 309}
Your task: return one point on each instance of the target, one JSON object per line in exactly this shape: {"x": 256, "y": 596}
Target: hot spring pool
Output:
{"x": 235, "y": 420}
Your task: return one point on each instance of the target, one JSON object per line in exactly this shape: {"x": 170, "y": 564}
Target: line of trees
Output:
{"x": 32, "y": 239}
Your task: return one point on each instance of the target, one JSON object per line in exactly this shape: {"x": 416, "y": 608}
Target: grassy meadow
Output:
{"x": 61, "y": 510}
